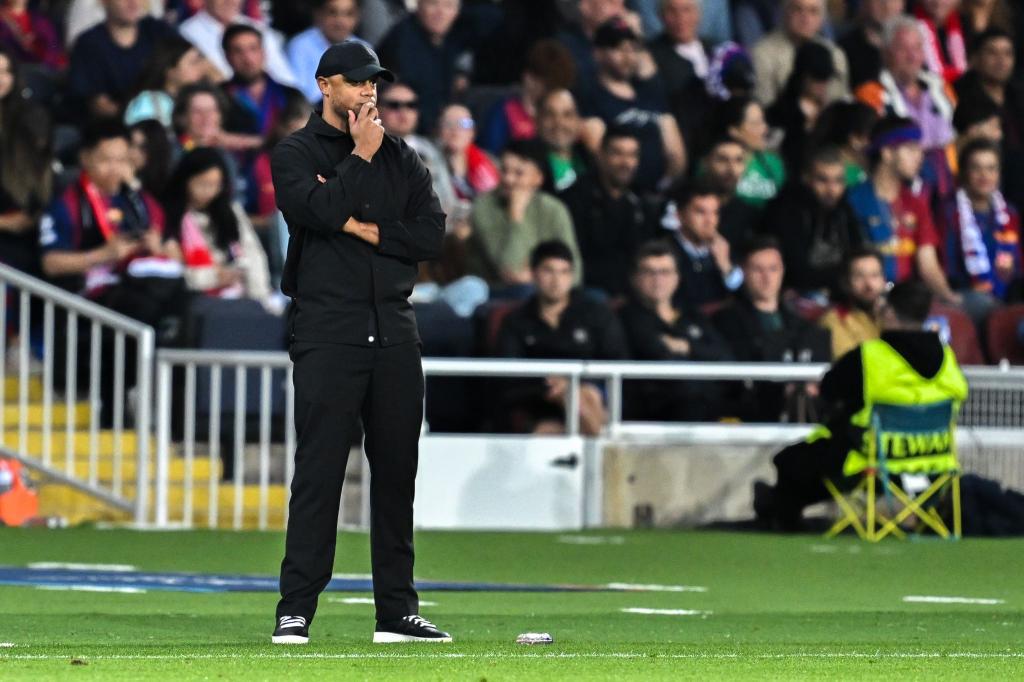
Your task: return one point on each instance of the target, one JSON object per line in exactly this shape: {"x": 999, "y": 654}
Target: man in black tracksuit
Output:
{"x": 361, "y": 213}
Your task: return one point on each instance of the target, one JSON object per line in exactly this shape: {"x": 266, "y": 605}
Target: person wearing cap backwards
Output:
{"x": 361, "y": 214}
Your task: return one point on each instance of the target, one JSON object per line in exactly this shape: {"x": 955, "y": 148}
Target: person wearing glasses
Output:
{"x": 471, "y": 168}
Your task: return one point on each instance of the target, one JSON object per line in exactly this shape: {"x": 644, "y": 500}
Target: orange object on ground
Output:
{"x": 18, "y": 502}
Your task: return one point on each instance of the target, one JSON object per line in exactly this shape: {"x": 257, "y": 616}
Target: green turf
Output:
{"x": 779, "y": 607}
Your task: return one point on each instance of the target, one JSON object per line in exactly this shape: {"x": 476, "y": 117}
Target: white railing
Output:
{"x": 76, "y": 313}
{"x": 986, "y": 382}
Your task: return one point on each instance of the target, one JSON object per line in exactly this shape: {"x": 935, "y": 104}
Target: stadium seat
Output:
{"x": 905, "y": 442}
{"x": 963, "y": 336}
{"x": 1003, "y": 340}
{"x": 489, "y": 317}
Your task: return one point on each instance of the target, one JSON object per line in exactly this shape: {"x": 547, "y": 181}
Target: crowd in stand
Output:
{"x": 712, "y": 180}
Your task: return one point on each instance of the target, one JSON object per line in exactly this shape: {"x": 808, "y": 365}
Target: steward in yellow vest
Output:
{"x": 907, "y": 366}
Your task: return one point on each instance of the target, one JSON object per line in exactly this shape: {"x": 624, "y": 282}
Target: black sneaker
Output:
{"x": 408, "y": 629}
{"x": 291, "y": 630}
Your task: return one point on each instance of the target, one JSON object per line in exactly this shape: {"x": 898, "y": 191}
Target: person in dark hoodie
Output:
{"x": 907, "y": 361}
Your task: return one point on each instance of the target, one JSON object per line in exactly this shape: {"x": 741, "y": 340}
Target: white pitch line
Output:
{"x": 51, "y": 565}
{"x": 7, "y": 645}
{"x": 927, "y": 599}
{"x": 591, "y": 540}
{"x": 665, "y": 612}
{"x": 872, "y": 655}
{"x": 368, "y": 600}
{"x": 91, "y": 588}
{"x": 633, "y": 587}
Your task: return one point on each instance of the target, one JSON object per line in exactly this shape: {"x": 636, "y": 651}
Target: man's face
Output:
{"x": 906, "y": 160}
{"x": 762, "y": 275}
{"x": 618, "y": 160}
{"x": 878, "y": 12}
{"x": 518, "y": 173}
{"x": 803, "y": 18}
{"x": 726, "y": 165}
{"x": 203, "y": 117}
{"x": 656, "y": 279}
{"x": 995, "y": 61}
{"x": 595, "y": 12}
{"x": 828, "y": 182}
{"x": 224, "y": 11}
{"x": 905, "y": 57}
{"x": 343, "y": 95}
{"x": 399, "y": 110}
{"x": 619, "y": 62}
{"x": 124, "y": 11}
{"x": 108, "y": 164}
{"x": 681, "y": 19}
{"x": 437, "y": 16}
{"x": 981, "y": 177}
{"x": 337, "y": 19}
{"x": 553, "y": 279}
{"x": 939, "y": 10}
{"x": 558, "y": 121}
{"x": 246, "y": 57}
{"x": 699, "y": 219}
{"x": 866, "y": 281}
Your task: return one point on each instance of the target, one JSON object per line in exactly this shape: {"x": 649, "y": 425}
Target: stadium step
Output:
{"x": 12, "y": 389}
{"x": 60, "y": 412}
{"x": 81, "y": 442}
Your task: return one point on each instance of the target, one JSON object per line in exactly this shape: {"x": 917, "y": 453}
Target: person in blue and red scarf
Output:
{"x": 982, "y": 233}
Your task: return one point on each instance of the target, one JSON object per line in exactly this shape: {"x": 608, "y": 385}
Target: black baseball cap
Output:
{"x": 815, "y": 60}
{"x": 613, "y": 33}
{"x": 354, "y": 60}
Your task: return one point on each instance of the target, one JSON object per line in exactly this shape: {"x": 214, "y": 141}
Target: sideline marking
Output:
{"x": 91, "y": 588}
{"x": 927, "y": 599}
{"x": 591, "y": 540}
{"x": 500, "y": 655}
{"x": 368, "y": 600}
{"x": 666, "y": 612}
{"x": 51, "y": 565}
{"x": 7, "y": 645}
{"x": 633, "y": 587}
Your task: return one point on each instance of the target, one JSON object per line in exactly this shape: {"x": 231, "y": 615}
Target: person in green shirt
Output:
{"x": 742, "y": 119}
{"x": 508, "y": 222}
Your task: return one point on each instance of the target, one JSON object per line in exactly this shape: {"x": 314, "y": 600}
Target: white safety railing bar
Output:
{"x": 98, "y": 318}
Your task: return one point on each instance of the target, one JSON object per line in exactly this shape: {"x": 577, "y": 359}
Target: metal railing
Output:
{"x": 21, "y": 299}
{"x": 988, "y": 385}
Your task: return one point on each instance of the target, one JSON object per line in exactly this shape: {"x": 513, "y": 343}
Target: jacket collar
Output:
{"x": 318, "y": 126}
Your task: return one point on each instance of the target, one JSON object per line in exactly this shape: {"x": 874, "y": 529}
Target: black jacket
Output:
{"x": 345, "y": 290}
{"x": 587, "y": 330}
{"x": 644, "y": 330}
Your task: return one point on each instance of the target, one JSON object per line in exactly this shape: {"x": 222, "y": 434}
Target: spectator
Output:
{"x": 560, "y": 128}
{"x": 657, "y": 329}
{"x": 549, "y": 66}
{"x": 579, "y": 37}
{"x": 903, "y": 367}
{"x": 610, "y": 220}
{"x": 26, "y": 172}
{"x": 260, "y": 201}
{"x": 731, "y": 73}
{"x": 801, "y": 102}
{"x": 205, "y": 29}
{"x": 173, "y": 64}
{"x": 977, "y": 118}
{"x": 399, "y": 113}
{"x": 107, "y": 59}
{"x": 847, "y": 126}
{"x": 431, "y": 51}
{"x": 815, "y": 226}
{"x": 851, "y": 321}
{"x": 760, "y": 329}
{"x": 557, "y": 323}
{"x": 743, "y": 120}
{"x": 945, "y": 49}
{"x": 621, "y": 97}
{"x": 802, "y": 21}
{"x": 212, "y": 233}
{"x": 334, "y": 21}
{"x": 979, "y": 16}
{"x": 82, "y": 15}
{"x": 991, "y": 77}
{"x": 724, "y": 167}
{"x": 703, "y": 255}
{"x": 471, "y": 170}
{"x": 29, "y": 37}
{"x": 982, "y": 233}
{"x": 199, "y": 114}
{"x": 862, "y": 45}
{"x": 894, "y": 218}
{"x": 512, "y": 219}
{"x": 907, "y": 89}
{"x": 151, "y": 155}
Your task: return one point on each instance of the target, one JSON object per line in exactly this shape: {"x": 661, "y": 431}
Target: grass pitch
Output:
{"x": 774, "y": 608}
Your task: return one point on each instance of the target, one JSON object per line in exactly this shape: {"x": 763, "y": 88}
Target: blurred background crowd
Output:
{"x": 713, "y": 180}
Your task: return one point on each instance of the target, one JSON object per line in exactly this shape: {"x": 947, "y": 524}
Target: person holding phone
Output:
{"x": 361, "y": 214}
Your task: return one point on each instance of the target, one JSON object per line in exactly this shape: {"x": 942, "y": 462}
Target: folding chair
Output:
{"x": 903, "y": 440}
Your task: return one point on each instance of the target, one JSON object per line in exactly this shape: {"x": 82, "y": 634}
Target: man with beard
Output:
{"x": 610, "y": 220}
{"x": 853, "y": 320}
{"x": 724, "y": 166}
{"x": 560, "y": 127}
